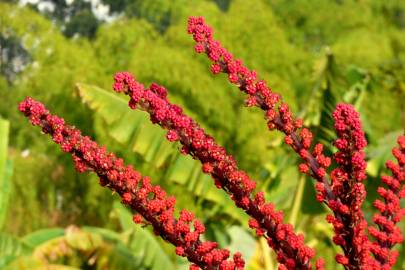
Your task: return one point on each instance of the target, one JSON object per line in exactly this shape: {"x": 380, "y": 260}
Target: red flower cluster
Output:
{"x": 291, "y": 250}
{"x": 341, "y": 188}
{"x": 277, "y": 113}
{"x": 151, "y": 202}
{"x": 388, "y": 234}
{"x": 344, "y": 193}
{"x": 349, "y": 222}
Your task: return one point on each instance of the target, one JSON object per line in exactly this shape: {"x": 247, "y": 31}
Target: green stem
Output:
{"x": 267, "y": 261}
{"x": 297, "y": 201}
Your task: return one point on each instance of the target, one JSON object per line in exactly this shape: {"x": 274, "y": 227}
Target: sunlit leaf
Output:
{"x": 5, "y": 171}
{"x": 143, "y": 243}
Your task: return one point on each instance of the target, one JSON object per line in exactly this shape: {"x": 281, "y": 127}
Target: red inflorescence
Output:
{"x": 341, "y": 189}
{"x": 350, "y": 157}
{"x": 151, "y": 202}
{"x": 388, "y": 234}
{"x": 277, "y": 113}
{"x": 290, "y": 248}
{"x": 349, "y": 222}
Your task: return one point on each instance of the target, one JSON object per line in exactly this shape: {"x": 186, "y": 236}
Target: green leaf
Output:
{"x": 111, "y": 250}
{"x": 133, "y": 129}
{"x": 5, "y": 170}
{"x": 144, "y": 243}
{"x": 309, "y": 203}
{"x": 10, "y": 248}
{"x": 379, "y": 153}
{"x": 91, "y": 242}
{"x": 118, "y": 256}
{"x": 241, "y": 241}
{"x": 323, "y": 99}
{"x": 105, "y": 233}
{"x": 127, "y": 127}
{"x": 297, "y": 204}
{"x": 29, "y": 263}
{"x": 41, "y": 236}
{"x": 83, "y": 241}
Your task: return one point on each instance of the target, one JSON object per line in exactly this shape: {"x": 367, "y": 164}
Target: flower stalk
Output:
{"x": 339, "y": 177}
{"x": 342, "y": 190}
{"x": 386, "y": 233}
{"x": 290, "y": 248}
{"x": 151, "y": 203}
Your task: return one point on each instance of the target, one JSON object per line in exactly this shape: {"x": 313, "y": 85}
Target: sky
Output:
{"x": 100, "y": 11}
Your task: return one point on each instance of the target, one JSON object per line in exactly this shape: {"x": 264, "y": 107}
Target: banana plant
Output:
{"x": 86, "y": 247}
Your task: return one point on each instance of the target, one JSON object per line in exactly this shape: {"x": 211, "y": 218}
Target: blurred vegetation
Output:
{"x": 315, "y": 53}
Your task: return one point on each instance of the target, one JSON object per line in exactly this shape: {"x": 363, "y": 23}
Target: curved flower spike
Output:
{"x": 151, "y": 202}
{"x": 315, "y": 163}
{"x": 349, "y": 222}
{"x": 291, "y": 251}
{"x": 388, "y": 234}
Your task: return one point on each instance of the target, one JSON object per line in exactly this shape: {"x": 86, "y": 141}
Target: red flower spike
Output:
{"x": 223, "y": 168}
{"x": 350, "y": 224}
{"x": 279, "y": 117}
{"x": 149, "y": 201}
{"x": 387, "y": 233}
{"x": 341, "y": 189}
